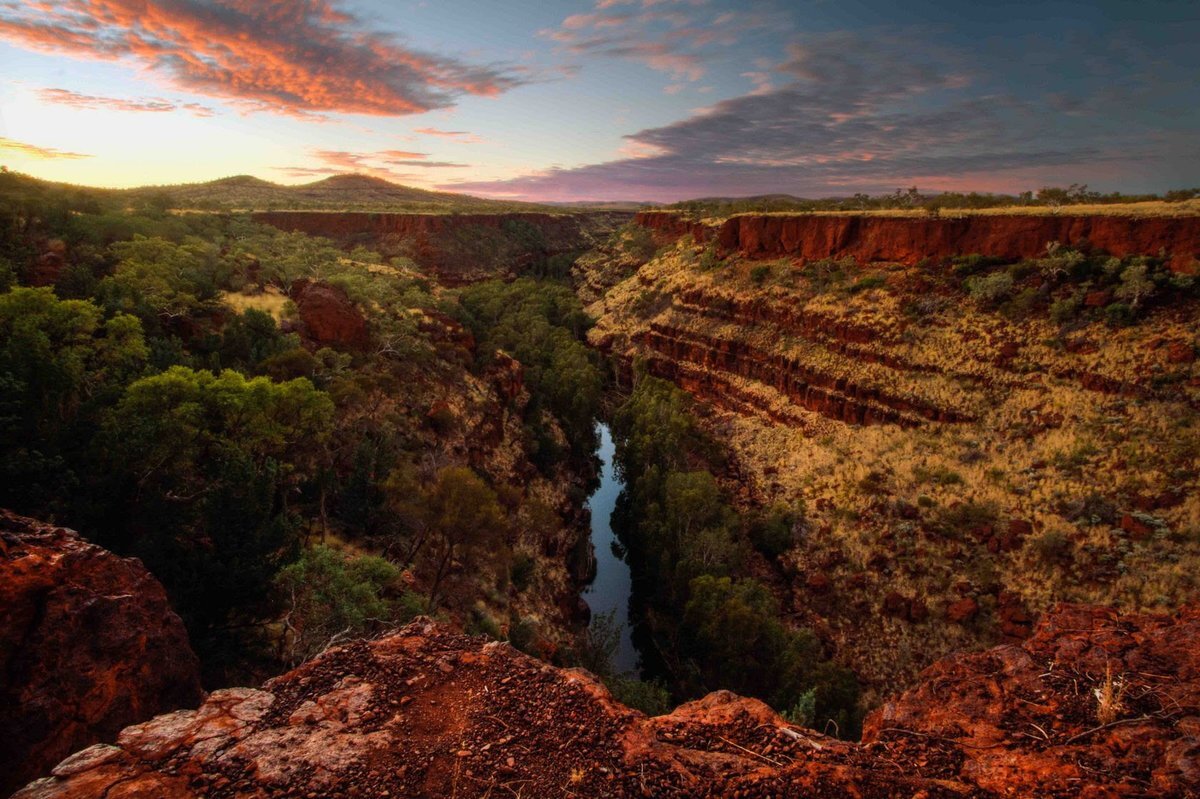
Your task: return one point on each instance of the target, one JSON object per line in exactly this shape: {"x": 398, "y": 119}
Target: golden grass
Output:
{"x": 1040, "y": 440}
{"x": 272, "y": 301}
{"x": 1148, "y": 209}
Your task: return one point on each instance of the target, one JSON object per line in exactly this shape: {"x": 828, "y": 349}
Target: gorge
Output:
{"x": 930, "y": 478}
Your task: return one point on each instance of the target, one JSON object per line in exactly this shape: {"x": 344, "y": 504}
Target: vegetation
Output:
{"x": 688, "y": 546}
{"x": 911, "y": 199}
{"x": 154, "y": 396}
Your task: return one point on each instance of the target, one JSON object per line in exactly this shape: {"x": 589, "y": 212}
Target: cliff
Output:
{"x": 910, "y": 240}
{"x": 962, "y": 463}
{"x": 88, "y": 645}
{"x": 457, "y": 248}
{"x": 428, "y": 712}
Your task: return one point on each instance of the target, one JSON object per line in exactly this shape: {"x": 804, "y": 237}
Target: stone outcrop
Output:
{"x": 912, "y": 239}
{"x": 428, "y": 712}
{"x": 329, "y": 316}
{"x": 457, "y": 248}
{"x": 88, "y": 645}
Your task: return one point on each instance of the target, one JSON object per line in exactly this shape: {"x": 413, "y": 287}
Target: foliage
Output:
{"x": 200, "y": 467}
{"x": 329, "y": 595}
{"x": 687, "y": 553}
{"x": 541, "y": 324}
{"x": 60, "y": 364}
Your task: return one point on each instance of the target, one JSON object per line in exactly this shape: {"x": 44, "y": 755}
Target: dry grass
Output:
{"x": 1153, "y": 208}
{"x": 272, "y": 301}
{"x": 1110, "y": 698}
{"x": 1040, "y": 441}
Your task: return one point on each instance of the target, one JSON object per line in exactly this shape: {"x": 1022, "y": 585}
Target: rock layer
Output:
{"x": 912, "y": 239}
{"x": 428, "y": 712}
{"x": 88, "y": 645}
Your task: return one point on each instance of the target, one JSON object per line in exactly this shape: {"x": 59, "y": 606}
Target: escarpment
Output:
{"x": 457, "y": 248}
{"x": 428, "y": 712}
{"x": 88, "y": 645}
{"x": 868, "y": 238}
{"x": 962, "y": 462}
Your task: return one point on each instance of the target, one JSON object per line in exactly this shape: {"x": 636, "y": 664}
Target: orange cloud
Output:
{"x": 34, "y": 151}
{"x": 296, "y": 57}
{"x": 146, "y": 104}
{"x": 461, "y": 135}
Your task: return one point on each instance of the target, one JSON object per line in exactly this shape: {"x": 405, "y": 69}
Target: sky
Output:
{"x": 647, "y": 100}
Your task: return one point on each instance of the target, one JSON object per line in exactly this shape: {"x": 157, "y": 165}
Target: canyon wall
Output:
{"x": 910, "y": 240}
{"x": 425, "y": 711}
{"x": 88, "y": 645}
{"x": 457, "y": 248}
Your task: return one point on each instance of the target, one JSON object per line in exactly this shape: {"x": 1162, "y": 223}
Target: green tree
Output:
{"x": 327, "y": 595}
{"x": 201, "y": 470}
{"x": 60, "y": 362}
{"x": 464, "y": 520}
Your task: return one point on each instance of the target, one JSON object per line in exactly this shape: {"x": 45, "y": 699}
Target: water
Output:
{"x": 611, "y": 589}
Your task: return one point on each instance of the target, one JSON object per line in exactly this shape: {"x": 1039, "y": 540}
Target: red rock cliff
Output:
{"x": 88, "y": 645}
{"x": 909, "y": 240}
{"x": 428, "y": 712}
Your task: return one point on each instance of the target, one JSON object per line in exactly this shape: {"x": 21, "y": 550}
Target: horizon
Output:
{"x": 605, "y": 101}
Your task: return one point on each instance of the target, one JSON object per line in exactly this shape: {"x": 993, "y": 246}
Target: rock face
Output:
{"x": 457, "y": 248}
{"x": 88, "y": 645}
{"x": 909, "y": 240}
{"x": 427, "y": 712}
{"x": 328, "y": 314}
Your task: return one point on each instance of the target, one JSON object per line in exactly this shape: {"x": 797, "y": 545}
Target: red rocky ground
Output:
{"x": 428, "y": 712}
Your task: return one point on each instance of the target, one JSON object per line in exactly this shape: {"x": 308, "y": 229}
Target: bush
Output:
{"x": 867, "y": 283}
{"x": 522, "y": 570}
{"x": 990, "y": 290}
{"x": 1064, "y": 310}
{"x": 760, "y": 273}
{"x": 649, "y": 696}
{"x": 1052, "y": 547}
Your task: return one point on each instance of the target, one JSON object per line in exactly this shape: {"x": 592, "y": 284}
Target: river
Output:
{"x": 611, "y": 589}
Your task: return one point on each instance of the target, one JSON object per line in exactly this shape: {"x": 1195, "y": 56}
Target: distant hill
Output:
{"x": 337, "y": 192}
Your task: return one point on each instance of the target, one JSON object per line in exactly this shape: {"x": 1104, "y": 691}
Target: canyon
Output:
{"x": 457, "y": 248}
{"x": 996, "y": 518}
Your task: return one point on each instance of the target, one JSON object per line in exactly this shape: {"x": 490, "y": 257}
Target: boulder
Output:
{"x": 88, "y": 645}
{"x": 329, "y": 316}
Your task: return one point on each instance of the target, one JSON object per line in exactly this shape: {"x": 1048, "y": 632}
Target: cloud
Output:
{"x": 141, "y": 105}
{"x": 871, "y": 110}
{"x": 34, "y": 151}
{"x": 295, "y": 57}
{"x": 377, "y": 163}
{"x": 666, "y": 35}
{"x": 459, "y": 135}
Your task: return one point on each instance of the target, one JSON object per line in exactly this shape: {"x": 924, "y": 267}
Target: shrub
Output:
{"x": 1052, "y": 547}
{"x": 522, "y": 570}
{"x": 990, "y": 290}
{"x": 1118, "y": 315}
{"x": 1064, "y": 310}
{"x": 867, "y": 283}
{"x": 760, "y": 273}
{"x": 774, "y": 532}
{"x": 649, "y": 696}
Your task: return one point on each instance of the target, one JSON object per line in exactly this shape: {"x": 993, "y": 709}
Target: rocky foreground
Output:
{"x": 88, "y": 645}
{"x": 1093, "y": 705}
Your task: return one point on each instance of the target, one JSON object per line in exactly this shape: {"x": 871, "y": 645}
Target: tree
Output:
{"x": 328, "y": 595}
{"x": 199, "y": 470}
{"x": 60, "y": 362}
{"x": 1136, "y": 286}
{"x": 464, "y": 519}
